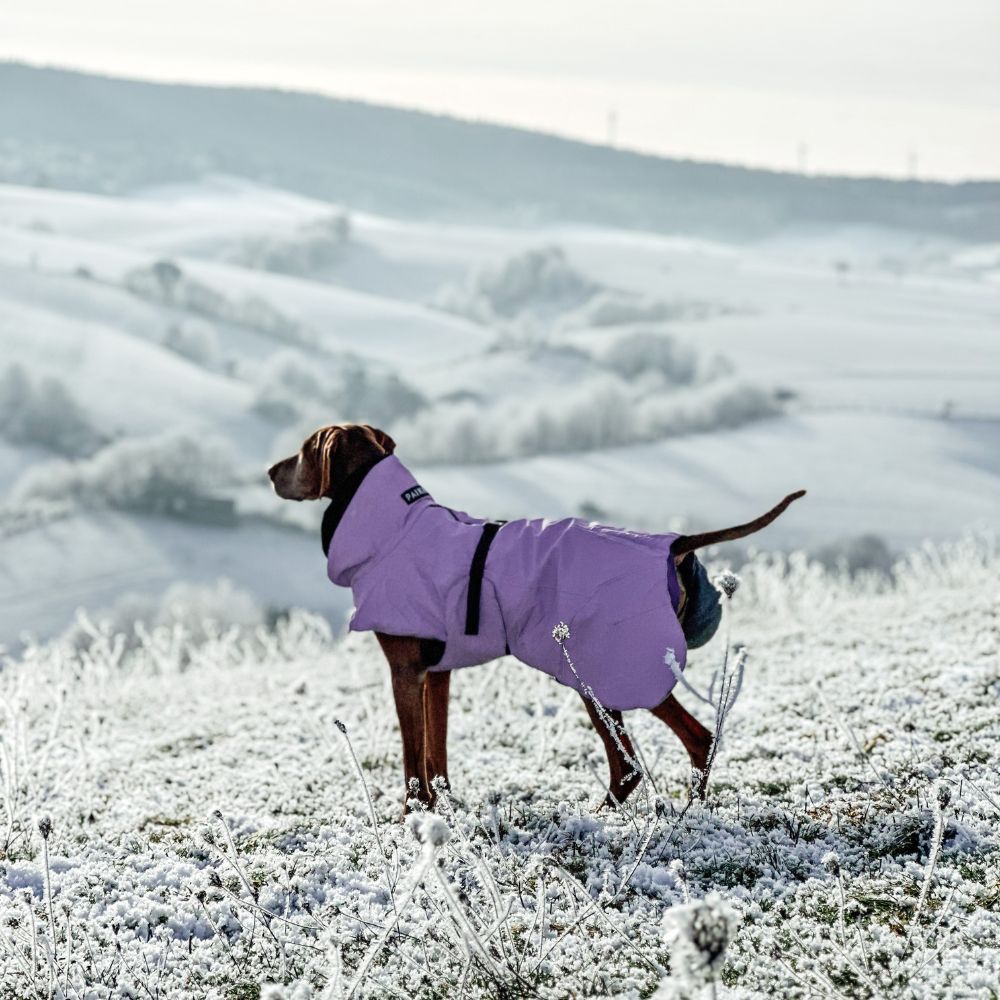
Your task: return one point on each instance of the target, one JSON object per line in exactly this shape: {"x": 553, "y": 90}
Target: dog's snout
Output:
{"x": 273, "y": 471}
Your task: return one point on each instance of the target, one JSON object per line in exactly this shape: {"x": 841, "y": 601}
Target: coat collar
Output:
{"x": 367, "y": 517}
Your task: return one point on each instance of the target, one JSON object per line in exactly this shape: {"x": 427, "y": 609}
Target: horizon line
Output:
{"x": 169, "y": 81}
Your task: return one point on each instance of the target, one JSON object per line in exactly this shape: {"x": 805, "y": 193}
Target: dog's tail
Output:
{"x": 688, "y": 543}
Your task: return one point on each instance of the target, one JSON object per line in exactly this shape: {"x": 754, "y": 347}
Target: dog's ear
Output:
{"x": 327, "y": 445}
{"x": 382, "y": 439}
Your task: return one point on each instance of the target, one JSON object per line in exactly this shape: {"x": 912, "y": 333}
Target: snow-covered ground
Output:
{"x": 648, "y": 380}
{"x": 185, "y": 819}
{"x": 181, "y": 815}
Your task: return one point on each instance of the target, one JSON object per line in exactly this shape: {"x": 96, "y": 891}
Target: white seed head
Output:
{"x": 560, "y": 633}
{"x": 429, "y": 829}
{"x": 699, "y": 934}
{"x": 728, "y": 582}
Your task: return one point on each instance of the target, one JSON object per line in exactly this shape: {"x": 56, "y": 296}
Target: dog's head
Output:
{"x": 326, "y": 458}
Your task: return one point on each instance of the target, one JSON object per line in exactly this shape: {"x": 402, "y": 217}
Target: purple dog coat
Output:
{"x": 419, "y": 569}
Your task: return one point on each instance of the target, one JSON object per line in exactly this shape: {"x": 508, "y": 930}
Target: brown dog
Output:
{"x": 327, "y": 466}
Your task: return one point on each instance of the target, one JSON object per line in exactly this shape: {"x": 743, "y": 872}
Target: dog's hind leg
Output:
{"x": 696, "y": 738}
{"x": 435, "y": 762}
{"x": 625, "y": 777}
{"x": 408, "y": 679}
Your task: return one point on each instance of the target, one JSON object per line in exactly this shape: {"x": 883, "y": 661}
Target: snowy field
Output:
{"x": 185, "y": 818}
{"x": 160, "y": 349}
{"x": 200, "y": 776}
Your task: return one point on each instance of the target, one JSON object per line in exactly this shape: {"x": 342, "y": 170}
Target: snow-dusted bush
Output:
{"x": 541, "y": 280}
{"x": 44, "y": 413}
{"x": 200, "y": 611}
{"x": 20, "y": 518}
{"x": 195, "y": 341}
{"x": 615, "y": 307}
{"x": 313, "y": 247}
{"x": 146, "y": 475}
{"x": 860, "y": 554}
{"x": 291, "y": 386}
{"x": 643, "y": 351}
{"x": 166, "y": 282}
{"x": 601, "y": 412}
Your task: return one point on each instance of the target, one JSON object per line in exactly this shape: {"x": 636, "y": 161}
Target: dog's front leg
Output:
{"x": 408, "y": 678}
{"x": 436, "y": 728}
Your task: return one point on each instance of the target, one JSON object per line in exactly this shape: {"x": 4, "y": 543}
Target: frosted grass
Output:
{"x": 178, "y": 818}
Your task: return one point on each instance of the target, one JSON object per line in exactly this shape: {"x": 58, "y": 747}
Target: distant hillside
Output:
{"x": 75, "y": 130}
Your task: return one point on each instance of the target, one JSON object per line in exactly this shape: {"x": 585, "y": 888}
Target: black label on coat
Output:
{"x": 413, "y": 494}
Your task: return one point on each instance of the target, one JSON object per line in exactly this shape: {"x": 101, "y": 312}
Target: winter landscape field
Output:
{"x": 200, "y": 778}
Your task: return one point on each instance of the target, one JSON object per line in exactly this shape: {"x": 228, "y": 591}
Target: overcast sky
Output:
{"x": 881, "y": 86}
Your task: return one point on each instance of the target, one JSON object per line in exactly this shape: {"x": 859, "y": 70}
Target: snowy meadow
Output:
{"x": 220, "y": 816}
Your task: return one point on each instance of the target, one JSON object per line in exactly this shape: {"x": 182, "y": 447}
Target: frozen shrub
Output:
{"x": 541, "y": 280}
{"x": 22, "y": 518}
{"x": 166, "y": 283}
{"x": 136, "y": 474}
{"x": 602, "y": 412}
{"x": 258, "y": 314}
{"x": 721, "y": 405}
{"x": 201, "y": 610}
{"x": 195, "y": 341}
{"x": 44, "y": 413}
{"x": 313, "y": 247}
{"x": 291, "y": 385}
{"x": 643, "y": 351}
{"x": 167, "y": 275}
{"x": 860, "y": 554}
{"x": 615, "y": 308}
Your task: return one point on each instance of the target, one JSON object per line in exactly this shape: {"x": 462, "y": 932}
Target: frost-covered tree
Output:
{"x": 648, "y": 351}
{"x": 316, "y": 246}
{"x": 195, "y": 341}
{"x": 291, "y": 384}
{"x": 168, "y": 275}
{"x": 537, "y": 280}
{"x": 45, "y": 414}
{"x": 157, "y": 474}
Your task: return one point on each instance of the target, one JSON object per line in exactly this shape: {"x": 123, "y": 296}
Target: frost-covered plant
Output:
{"x": 540, "y": 279}
{"x": 648, "y": 351}
{"x": 46, "y": 414}
{"x": 600, "y": 411}
{"x": 313, "y": 247}
{"x": 614, "y": 307}
{"x": 198, "y": 612}
{"x": 727, "y": 682}
{"x": 293, "y": 388}
{"x": 198, "y": 342}
{"x": 698, "y": 935}
{"x": 144, "y": 474}
{"x": 865, "y": 960}
{"x": 165, "y": 282}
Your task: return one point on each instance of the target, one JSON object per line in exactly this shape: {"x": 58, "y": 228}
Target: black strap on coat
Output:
{"x": 490, "y": 529}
